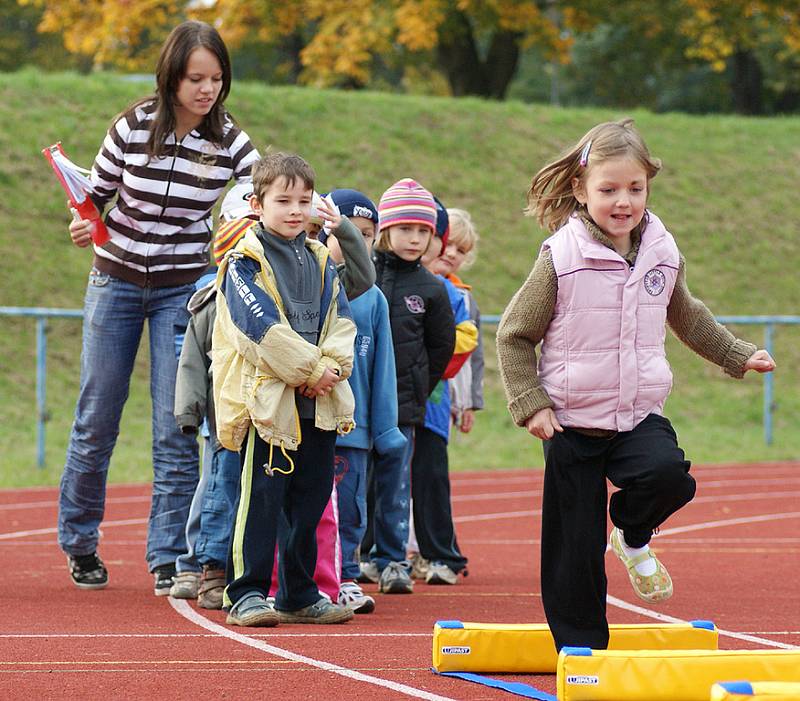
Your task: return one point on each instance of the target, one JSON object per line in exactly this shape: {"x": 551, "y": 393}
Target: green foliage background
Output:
{"x": 727, "y": 192}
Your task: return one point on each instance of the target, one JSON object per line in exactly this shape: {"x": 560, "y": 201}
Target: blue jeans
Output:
{"x": 213, "y": 511}
{"x": 350, "y": 473}
{"x": 114, "y": 315}
{"x": 392, "y": 477}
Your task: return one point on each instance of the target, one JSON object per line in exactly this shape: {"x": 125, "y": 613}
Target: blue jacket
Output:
{"x": 373, "y": 381}
{"x": 437, "y": 409}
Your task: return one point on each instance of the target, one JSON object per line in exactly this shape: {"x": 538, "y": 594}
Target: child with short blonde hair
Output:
{"x": 374, "y": 385}
{"x": 466, "y": 388}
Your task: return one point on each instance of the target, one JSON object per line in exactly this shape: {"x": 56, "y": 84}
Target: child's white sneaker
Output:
{"x": 439, "y": 573}
{"x": 369, "y": 573}
{"x": 352, "y": 596}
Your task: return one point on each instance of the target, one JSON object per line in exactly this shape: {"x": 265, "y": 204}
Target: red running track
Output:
{"x": 733, "y": 554}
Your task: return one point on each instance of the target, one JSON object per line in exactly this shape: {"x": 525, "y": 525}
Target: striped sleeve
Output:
{"x": 243, "y": 154}
{"x": 110, "y": 161}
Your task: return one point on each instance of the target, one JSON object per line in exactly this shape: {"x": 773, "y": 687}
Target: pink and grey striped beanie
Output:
{"x": 406, "y": 202}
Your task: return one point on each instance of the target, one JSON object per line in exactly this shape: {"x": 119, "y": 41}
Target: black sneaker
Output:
{"x": 87, "y": 571}
{"x": 163, "y": 575}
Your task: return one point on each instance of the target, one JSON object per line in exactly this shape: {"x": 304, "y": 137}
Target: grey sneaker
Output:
{"x": 439, "y": 573}
{"x": 395, "y": 579}
{"x": 185, "y": 585}
{"x": 352, "y": 595}
{"x": 253, "y": 610}
{"x": 324, "y": 611}
{"x": 370, "y": 574}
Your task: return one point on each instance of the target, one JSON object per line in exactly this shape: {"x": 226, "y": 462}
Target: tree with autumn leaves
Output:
{"x": 472, "y": 46}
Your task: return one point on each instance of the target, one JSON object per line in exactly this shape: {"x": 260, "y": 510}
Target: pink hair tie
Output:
{"x": 585, "y": 154}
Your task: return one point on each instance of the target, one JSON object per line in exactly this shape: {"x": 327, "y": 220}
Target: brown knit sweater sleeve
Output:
{"x": 694, "y": 324}
{"x": 521, "y": 329}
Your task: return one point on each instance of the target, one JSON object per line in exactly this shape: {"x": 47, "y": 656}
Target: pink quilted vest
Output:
{"x": 602, "y": 359}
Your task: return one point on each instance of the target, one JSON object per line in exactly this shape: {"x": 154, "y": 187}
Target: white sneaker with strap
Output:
{"x": 353, "y": 596}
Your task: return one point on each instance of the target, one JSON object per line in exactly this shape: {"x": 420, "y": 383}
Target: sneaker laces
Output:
{"x": 186, "y": 577}
{"x": 396, "y": 569}
{"x": 350, "y": 591}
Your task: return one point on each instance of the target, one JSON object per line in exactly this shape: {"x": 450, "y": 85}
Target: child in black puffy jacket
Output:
{"x": 423, "y": 333}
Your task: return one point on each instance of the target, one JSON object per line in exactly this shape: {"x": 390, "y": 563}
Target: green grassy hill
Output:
{"x": 727, "y": 192}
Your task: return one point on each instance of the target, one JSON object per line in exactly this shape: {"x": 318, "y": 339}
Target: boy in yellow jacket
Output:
{"x": 282, "y": 351}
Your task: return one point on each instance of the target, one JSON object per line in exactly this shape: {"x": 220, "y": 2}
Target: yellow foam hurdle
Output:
{"x": 751, "y": 691}
{"x": 665, "y": 675}
{"x": 529, "y": 648}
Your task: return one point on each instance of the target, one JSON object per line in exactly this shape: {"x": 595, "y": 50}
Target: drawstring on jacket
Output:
{"x": 270, "y": 470}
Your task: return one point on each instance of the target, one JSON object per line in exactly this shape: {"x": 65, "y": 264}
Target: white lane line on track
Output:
{"x": 45, "y": 531}
{"x": 458, "y": 519}
{"x": 728, "y": 522}
{"x": 735, "y": 541}
{"x": 532, "y": 472}
{"x": 790, "y": 466}
{"x": 54, "y": 503}
{"x": 496, "y": 495}
{"x": 753, "y": 496}
{"x": 496, "y": 517}
{"x": 467, "y": 481}
{"x": 183, "y": 608}
{"x": 619, "y": 603}
{"x": 749, "y": 482}
{"x": 214, "y": 635}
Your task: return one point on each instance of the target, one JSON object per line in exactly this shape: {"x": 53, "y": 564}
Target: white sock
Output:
{"x": 645, "y": 568}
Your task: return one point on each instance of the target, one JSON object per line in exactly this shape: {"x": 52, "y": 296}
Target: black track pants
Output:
{"x": 430, "y": 491}
{"x": 302, "y": 497}
{"x": 652, "y": 475}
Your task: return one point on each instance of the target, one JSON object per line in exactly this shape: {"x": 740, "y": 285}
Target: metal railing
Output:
{"x": 42, "y": 314}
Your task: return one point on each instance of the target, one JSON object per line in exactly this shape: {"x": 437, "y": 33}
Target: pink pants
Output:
{"x": 327, "y": 574}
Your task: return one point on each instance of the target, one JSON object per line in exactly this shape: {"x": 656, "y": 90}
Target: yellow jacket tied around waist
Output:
{"x": 255, "y": 379}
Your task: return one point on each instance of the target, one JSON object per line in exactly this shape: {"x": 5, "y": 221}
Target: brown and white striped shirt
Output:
{"x": 160, "y": 225}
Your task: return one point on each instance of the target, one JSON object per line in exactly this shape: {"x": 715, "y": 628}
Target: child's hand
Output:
{"x": 467, "y": 421}
{"x": 543, "y": 424}
{"x": 80, "y": 231}
{"x": 331, "y": 218}
{"x": 760, "y": 361}
{"x": 324, "y": 385}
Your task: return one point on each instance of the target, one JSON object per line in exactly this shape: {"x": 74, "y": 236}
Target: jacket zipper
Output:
{"x": 301, "y": 283}
{"x": 164, "y": 200}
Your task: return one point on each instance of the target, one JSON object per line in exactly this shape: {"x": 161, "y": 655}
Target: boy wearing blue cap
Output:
{"x": 374, "y": 385}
